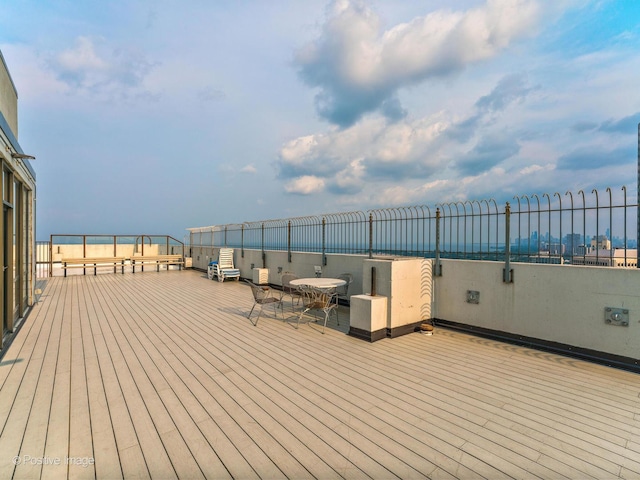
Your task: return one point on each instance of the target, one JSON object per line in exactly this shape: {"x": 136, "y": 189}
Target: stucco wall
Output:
{"x": 555, "y": 303}
{"x": 302, "y": 264}
{"x": 550, "y": 302}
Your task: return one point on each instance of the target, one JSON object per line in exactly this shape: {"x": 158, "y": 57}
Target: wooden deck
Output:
{"x": 161, "y": 375}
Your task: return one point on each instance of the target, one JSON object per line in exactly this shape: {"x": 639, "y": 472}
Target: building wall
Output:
{"x": 17, "y": 224}
{"x": 8, "y": 97}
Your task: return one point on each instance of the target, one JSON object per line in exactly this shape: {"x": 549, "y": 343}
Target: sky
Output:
{"x": 151, "y": 117}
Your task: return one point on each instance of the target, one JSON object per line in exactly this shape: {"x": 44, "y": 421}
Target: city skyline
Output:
{"x": 155, "y": 117}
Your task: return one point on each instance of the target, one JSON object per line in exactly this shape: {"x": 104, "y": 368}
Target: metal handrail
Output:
{"x": 87, "y": 241}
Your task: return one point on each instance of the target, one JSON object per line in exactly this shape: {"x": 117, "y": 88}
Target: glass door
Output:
{"x": 16, "y": 251}
{"x": 7, "y": 282}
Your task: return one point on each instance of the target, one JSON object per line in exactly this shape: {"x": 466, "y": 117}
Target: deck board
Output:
{"x": 161, "y": 375}
{"x": 31, "y": 383}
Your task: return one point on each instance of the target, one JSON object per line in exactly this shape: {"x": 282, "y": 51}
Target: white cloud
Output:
{"x": 305, "y": 185}
{"x": 81, "y": 59}
{"x": 372, "y": 147}
{"x": 210, "y": 94}
{"x": 296, "y": 151}
{"x": 351, "y": 179}
{"x": 375, "y": 149}
{"x": 528, "y": 170}
{"x": 94, "y": 67}
{"x": 34, "y": 81}
{"x": 249, "y": 169}
{"x": 359, "y": 68}
{"x": 406, "y": 99}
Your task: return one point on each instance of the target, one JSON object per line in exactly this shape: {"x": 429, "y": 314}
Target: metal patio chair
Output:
{"x": 262, "y": 295}
{"x": 321, "y": 299}
{"x": 342, "y": 291}
{"x": 289, "y": 290}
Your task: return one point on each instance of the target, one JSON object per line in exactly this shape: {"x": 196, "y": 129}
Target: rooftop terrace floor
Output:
{"x": 161, "y": 375}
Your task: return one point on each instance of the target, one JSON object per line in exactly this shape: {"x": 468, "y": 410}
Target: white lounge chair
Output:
{"x": 224, "y": 268}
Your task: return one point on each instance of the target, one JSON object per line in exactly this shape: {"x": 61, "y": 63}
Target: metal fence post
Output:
{"x": 264, "y": 255}
{"x": 561, "y": 212}
{"x": 289, "y": 241}
{"x": 507, "y": 273}
{"x": 50, "y": 255}
{"x": 438, "y": 267}
{"x": 370, "y": 235}
{"x": 624, "y": 189}
{"x": 324, "y": 250}
{"x": 611, "y": 264}
{"x": 242, "y": 240}
{"x": 374, "y": 282}
{"x": 597, "y": 225}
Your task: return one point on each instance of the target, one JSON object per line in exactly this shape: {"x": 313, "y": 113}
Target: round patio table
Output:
{"x": 318, "y": 282}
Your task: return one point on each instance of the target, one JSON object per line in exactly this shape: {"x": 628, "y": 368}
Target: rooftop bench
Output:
{"x": 156, "y": 260}
{"x": 93, "y": 262}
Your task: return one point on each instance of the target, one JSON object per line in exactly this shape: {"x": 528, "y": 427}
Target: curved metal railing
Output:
{"x": 538, "y": 228}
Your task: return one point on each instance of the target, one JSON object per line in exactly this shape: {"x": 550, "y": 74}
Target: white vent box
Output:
{"x": 261, "y": 276}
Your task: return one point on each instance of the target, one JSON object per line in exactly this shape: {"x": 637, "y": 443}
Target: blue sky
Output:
{"x": 155, "y": 116}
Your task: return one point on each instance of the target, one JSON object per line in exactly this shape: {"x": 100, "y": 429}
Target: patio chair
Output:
{"x": 343, "y": 290}
{"x": 288, "y": 289}
{"x": 211, "y": 269}
{"x": 262, "y": 296}
{"x": 322, "y": 299}
{"x": 224, "y": 268}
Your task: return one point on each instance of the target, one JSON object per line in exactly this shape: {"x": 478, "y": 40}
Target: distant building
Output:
{"x": 17, "y": 228}
{"x": 545, "y": 258}
{"x": 600, "y": 242}
{"x": 582, "y": 250}
{"x": 572, "y": 241}
{"x": 553, "y": 249}
{"x": 608, "y": 258}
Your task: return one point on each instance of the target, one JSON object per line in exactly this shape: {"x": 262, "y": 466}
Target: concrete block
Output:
{"x": 368, "y": 317}
{"x": 407, "y": 282}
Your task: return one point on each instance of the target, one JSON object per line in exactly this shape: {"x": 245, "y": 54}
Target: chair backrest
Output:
{"x": 225, "y": 258}
{"x": 286, "y": 282}
{"x": 317, "y": 298}
{"x": 259, "y": 292}
{"x": 344, "y": 289}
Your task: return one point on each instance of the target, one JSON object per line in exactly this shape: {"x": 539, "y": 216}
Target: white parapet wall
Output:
{"x": 556, "y": 304}
{"x": 277, "y": 262}
{"x": 553, "y": 303}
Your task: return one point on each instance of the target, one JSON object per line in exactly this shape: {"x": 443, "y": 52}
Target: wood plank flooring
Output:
{"x": 161, "y": 375}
